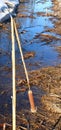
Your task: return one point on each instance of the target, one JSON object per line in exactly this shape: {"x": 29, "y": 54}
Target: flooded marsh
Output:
{"x": 39, "y": 27}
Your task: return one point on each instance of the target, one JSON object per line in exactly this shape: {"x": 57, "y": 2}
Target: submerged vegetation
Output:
{"x": 38, "y": 24}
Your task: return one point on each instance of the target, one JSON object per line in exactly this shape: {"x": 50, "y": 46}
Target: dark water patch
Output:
{"x": 5, "y": 104}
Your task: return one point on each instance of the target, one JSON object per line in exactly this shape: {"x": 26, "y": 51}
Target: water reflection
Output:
{"x": 36, "y": 18}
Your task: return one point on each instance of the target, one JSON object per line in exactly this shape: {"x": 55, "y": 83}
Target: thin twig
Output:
{"x": 57, "y": 122}
{"x": 22, "y": 57}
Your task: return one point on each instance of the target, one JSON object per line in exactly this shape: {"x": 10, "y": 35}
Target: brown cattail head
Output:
{"x": 3, "y": 126}
{"x": 31, "y": 100}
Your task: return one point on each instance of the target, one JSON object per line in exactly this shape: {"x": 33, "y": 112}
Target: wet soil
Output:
{"x": 46, "y": 86}
{"x": 38, "y": 24}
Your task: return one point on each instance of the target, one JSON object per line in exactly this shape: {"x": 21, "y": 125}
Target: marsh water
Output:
{"x": 36, "y": 23}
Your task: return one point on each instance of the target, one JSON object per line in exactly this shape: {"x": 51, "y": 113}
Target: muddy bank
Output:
{"x": 48, "y": 102}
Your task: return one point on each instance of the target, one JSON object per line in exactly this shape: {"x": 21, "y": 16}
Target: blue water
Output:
{"x": 45, "y": 54}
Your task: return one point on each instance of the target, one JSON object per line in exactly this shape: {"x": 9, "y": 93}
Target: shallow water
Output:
{"x": 29, "y": 27}
{"x": 34, "y": 21}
